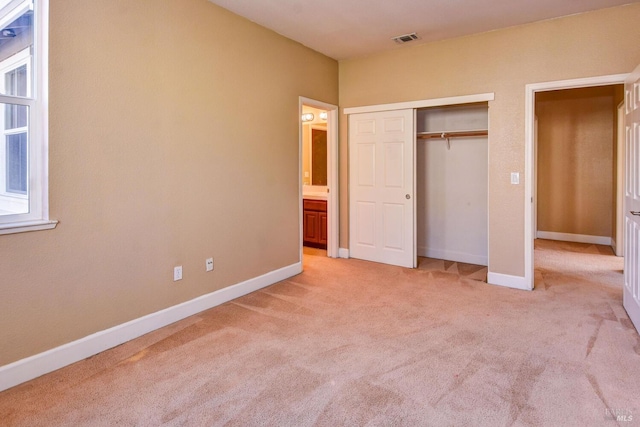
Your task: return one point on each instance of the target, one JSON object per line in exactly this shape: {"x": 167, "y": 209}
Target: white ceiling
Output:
{"x": 345, "y": 29}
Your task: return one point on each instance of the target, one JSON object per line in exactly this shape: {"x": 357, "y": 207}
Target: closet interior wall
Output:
{"x": 452, "y": 183}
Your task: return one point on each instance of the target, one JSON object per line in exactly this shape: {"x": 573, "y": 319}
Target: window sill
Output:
{"x": 23, "y": 227}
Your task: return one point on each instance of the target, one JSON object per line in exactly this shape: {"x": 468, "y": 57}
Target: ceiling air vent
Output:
{"x": 405, "y": 38}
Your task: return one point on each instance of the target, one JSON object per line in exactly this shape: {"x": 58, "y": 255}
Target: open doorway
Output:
{"x": 573, "y": 174}
{"x": 576, "y": 167}
{"x": 318, "y": 175}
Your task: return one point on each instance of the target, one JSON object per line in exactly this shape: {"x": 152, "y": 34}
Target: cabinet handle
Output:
{"x": 636, "y": 213}
{"x": 408, "y": 196}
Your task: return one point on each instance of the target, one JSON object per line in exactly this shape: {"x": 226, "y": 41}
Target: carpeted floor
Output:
{"x": 437, "y": 266}
{"x": 461, "y": 269}
{"x": 350, "y": 342}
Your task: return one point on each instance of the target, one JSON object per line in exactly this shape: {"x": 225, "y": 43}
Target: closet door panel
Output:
{"x": 381, "y": 210}
{"x": 392, "y": 223}
{"x": 367, "y": 161}
{"x": 365, "y": 230}
{"x": 394, "y": 165}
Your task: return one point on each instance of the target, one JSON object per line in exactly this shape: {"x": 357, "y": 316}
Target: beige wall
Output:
{"x": 575, "y": 161}
{"x": 592, "y": 44}
{"x": 162, "y": 114}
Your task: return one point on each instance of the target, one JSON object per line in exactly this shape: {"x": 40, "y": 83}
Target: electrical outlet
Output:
{"x": 209, "y": 264}
{"x": 177, "y": 273}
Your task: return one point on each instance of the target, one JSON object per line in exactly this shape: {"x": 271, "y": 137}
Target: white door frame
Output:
{"x": 333, "y": 220}
{"x": 529, "y": 155}
{"x": 620, "y": 181}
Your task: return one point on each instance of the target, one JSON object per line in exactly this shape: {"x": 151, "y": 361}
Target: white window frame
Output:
{"x": 8, "y": 65}
{"x": 38, "y": 216}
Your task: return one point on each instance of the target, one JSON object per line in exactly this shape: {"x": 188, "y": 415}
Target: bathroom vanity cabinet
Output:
{"x": 315, "y": 223}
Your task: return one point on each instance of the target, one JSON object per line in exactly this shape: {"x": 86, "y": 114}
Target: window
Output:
{"x": 23, "y": 118}
{"x": 15, "y": 132}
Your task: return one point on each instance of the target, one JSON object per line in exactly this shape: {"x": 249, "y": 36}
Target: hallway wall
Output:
{"x": 575, "y": 161}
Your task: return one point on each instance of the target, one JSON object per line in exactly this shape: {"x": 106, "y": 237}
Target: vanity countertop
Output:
{"x": 314, "y": 196}
{"x": 314, "y": 192}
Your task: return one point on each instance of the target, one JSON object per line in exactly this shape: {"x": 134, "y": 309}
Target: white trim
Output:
{"x": 41, "y": 130}
{"x": 436, "y": 102}
{"x": 4, "y": 3}
{"x": 16, "y": 60}
{"x": 15, "y": 201}
{"x": 56, "y": 358}
{"x": 618, "y": 241}
{"x": 38, "y": 128}
{"x": 578, "y": 238}
{"x": 488, "y": 186}
{"x": 414, "y": 188}
{"x": 343, "y": 253}
{"x": 529, "y": 119}
{"x": 23, "y": 227}
{"x": 516, "y": 282}
{"x": 333, "y": 207}
{"x": 11, "y": 16}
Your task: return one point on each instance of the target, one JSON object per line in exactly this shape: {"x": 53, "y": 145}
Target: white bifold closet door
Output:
{"x": 452, "y": 199}
{"x": 381, "y": 180}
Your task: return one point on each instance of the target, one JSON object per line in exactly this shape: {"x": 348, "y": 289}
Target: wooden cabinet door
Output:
{"x": 322, "y": 232}
{"x": 310, "y": 227}
{"x": 314, "y": 216}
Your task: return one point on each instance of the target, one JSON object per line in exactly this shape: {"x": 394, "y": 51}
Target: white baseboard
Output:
{"x": 452, "y": 256}
{"x": 343, "y": 253}
{"x": 578, "y": 238}
{"x": 619, "y": 251}
{"x": 34, "y": 366}
{"x": 516, "y": 282}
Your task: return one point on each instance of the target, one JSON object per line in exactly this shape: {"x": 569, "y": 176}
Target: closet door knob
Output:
{"x": 636, "y": 213}
{"x": 408, "y": 196}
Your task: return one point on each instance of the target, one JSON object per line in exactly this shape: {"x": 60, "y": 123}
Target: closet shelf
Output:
{"x": 452, "y": 134}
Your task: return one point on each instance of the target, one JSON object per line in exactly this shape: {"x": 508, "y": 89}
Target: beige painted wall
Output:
{"x": 591, "y": 44}
{"x": 575, "y": 161}
{"x": 162, "y": 114}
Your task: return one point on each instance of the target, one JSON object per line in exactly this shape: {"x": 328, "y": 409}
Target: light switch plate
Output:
{"x": 515, "y": 177}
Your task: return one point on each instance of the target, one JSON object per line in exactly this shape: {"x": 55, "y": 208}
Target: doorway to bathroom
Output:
{"x": 318, "y": 177}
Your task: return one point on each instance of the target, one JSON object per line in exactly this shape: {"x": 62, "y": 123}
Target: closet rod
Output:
{"x": 452, "y": 134}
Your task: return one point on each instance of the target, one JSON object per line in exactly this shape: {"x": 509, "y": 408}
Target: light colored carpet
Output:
{"x": 350, "y": 342}
{"x": 468, "y": 271}
{"x": 437, "y": 266}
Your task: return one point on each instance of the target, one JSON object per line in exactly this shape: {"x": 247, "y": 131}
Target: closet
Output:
{"x": 452, "y": 183}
